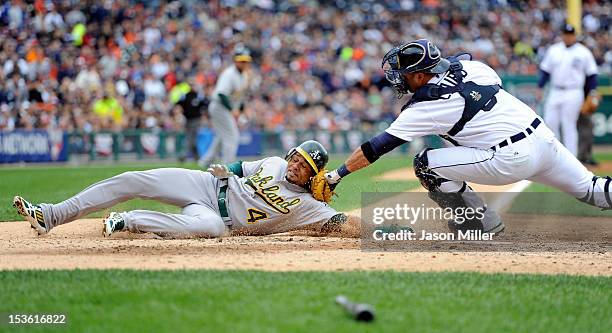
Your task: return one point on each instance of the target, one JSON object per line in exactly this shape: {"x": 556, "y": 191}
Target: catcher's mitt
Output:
{"x": 320, "y": 188}
{"x": 591, "y": 103}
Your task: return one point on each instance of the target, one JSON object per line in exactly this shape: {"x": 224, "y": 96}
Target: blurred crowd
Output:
{"x": 113, "y": 65}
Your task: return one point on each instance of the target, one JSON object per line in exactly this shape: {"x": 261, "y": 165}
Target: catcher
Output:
{"x": 267, "y": 196}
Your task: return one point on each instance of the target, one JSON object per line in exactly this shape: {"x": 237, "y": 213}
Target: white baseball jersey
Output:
{"x": 537, "y": 156}
{"x": 568, "y": 66}
{"x": 265, "y": 202}
{"x": 231, "y": 83}
{"x": 508, "y": 117}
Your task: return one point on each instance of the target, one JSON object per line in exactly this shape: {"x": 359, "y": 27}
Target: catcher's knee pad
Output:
{"x": 428, "y": 178}
{"x": 599, "y": 194}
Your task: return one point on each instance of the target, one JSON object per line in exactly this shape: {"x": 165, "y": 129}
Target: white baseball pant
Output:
{"x": 539, "y": 157}
{"x": 561, "y": 113}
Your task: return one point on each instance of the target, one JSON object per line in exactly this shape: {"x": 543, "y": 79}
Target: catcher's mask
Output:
{"x": 313, "y": 152}
{"x": 418, "y": 56}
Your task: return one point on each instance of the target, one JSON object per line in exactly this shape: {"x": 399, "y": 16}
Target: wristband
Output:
{"x": 343, "y": 171}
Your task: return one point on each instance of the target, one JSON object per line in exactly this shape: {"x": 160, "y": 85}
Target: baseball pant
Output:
{"x": 561, "y": 115}
{"x": 191, "y": 138}
{"x": 585, "y": 137}
{"x": 195, "y": 191}
{"x": 540, "y": 157}
{"x": 226, "y": 138}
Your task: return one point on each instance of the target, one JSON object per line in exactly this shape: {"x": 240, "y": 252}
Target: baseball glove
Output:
{"x": 320, "y": 188}
{"x": 591, "y": 103}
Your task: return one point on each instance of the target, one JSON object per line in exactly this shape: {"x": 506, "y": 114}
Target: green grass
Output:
{"x": 252, "y": 301}
{"x": 54, "y": 184}
{"x": 350, "y": 189}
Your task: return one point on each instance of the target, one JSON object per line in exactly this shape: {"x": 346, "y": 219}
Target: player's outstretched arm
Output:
{"x": 355, "y": 162}
{"x": 366, "y": 154}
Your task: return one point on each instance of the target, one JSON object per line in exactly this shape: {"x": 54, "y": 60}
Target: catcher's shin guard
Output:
{"x": 598, "y": 194}
{"x": 458, "y": 197}
{"x": 471, "y": 212}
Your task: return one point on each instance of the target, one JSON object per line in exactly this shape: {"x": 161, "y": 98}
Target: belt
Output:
{"x": 565, "y": 88}
{"x": 520, "y": 136}
{"x": 222, "y": 200}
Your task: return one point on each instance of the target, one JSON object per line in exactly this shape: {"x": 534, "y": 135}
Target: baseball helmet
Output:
{"x": 241, "y": 53}
{"x": 315, "y": 154}
{"x": 417, "y": 56}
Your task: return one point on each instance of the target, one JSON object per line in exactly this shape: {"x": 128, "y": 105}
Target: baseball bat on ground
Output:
{"x": 359, "y": 311}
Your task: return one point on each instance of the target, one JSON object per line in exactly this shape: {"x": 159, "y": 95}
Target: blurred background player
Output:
{"x": 226, "y": 101}
{"x": 192, "y": 104}
{"x": 585, "y": 124}
{"x": 570, "y": 67}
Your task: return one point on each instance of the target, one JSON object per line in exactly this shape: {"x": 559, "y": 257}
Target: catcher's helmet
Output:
{"x": 417, "y": 56}
{"x": 315, "y": 154}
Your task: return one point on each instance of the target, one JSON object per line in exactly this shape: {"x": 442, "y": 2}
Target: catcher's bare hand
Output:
{"x": 220, "y": 171}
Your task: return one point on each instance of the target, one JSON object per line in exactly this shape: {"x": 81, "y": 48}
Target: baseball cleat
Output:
{"x": 498, "y": 229}
{"x": 490, "y": 223}
{"x": 32, "y": 213}
{"x": 112, "y": 222}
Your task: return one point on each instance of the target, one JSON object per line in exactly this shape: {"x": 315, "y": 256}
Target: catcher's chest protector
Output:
{"x": 477, "y": 97}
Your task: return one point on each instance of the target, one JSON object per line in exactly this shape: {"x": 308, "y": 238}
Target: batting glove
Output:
{"x": 220, "y": 171}
{"x": 333, "y": 178}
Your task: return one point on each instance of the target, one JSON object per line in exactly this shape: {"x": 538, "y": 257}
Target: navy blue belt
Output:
{"x": 519, "y": 136}
{"x": 565, "y": 88}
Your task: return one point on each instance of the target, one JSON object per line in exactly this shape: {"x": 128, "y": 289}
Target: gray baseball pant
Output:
{"x": 585, "y": 137}
{"x": 193, "y": 190}
{"x": 227, "y": 135}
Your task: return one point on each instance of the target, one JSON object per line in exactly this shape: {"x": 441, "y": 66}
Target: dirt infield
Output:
{"x": 81, "y": 245}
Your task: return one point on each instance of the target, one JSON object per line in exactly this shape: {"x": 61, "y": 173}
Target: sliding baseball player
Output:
{"x": 268, "y": 196}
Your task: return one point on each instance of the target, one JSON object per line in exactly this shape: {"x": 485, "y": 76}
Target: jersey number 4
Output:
{"x": 255, "y": 215}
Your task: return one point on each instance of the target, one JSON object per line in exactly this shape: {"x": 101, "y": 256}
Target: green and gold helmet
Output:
{"x": 315, "y": 154}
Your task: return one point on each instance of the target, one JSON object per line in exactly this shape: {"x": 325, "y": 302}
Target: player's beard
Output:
{"x": 294, "y": 183}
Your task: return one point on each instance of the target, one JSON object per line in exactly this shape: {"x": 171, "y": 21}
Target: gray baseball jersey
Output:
{"x": 231, "y": 83}
{"x": 265, "y": 202}
{"x": 262, "y": 201}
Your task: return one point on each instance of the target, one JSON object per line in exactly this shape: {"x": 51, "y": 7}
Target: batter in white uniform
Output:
{"x": 567, "y": 64}
{"x": 497, "y": 138}
{"x": 261, "y": 197}
{"x": 227, "y": 98}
